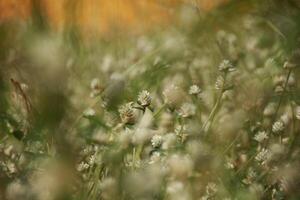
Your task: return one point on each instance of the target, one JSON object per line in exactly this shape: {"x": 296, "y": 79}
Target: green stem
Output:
{"x": 159, "y": 110}
{"x": 213, "y": 112}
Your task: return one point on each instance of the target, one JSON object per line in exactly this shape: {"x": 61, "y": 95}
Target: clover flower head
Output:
{"x": 156, "y": 141}
{"x": 261, "y": 136}
{"x": 278, "y": 126}
{"x": 226, "y": 66}
{"x": 144, "y": 98}
{"x": 194, "y": 90}
{"x": 127, "y": 113}
{"x": 187, "y": 110}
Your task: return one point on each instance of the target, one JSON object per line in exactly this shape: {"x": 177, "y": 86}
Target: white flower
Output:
{"x": 95, "y": 84}
{"x": 297, "y": 112}
{"x": 261, "y": 136}
{"x": 89, "y": 112}
{"x": 127, "y": 113}
{"x": 194, "y": 90}
{"x": 144, "y": 98}
{"x": 219, "y": 83}
{"x": 156, "y": 141}
{"x": 95, "y": 87}
{"x": 270, "y": 109}
{"x": 278, "y": 126}
{"x": 173, "y": 95}
{"x": 226, "y": 66}
{"x": 82, "y": 166}
{"x": 263, "y": 156}
{"x": 187, "y": 110}
{"x": 211, "y": 189}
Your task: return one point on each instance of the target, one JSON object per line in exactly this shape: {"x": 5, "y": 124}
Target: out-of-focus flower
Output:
{"x": 127, "y": 113}
{"x": 219, "y": 83}
{"x": 270, "y": 109}
{"x": 187, "y": 110}
{"x": 263, "y": 156}
{"x": 297, "y": 112}
{"x": 180, "y": 165}
{"x": 89, "y": 112}
{"x": 173, "y": 95}
{"x": 156, "y": 141}
{"x": 194, "y": 90}
{"x": 169, "y": 141}
{"x": 95, "y": 87}
{"x": 144, "y": 98}
{"x": 261, "y": 136}
{"x": 226, "y": 66}
{"x": 82, "y": 166}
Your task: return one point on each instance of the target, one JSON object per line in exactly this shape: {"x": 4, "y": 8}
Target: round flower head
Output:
{"x": 194, "y": 90}
{"x": 156, "y": 141}
{"x": 144, "y": 98}
{"x": 173, "y": 95}
{"x": 278, "y": 126}
{"x": 261, "y": 136}
{"x": 187, "y": 110}
{"x": 127, "y": 113}
{"x": 226, "y": 66}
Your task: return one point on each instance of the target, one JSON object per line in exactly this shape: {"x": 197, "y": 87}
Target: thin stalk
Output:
{"x": 159, "y": 110}
{"x": 213, "y": 112}
{"x": 282, "y": 95}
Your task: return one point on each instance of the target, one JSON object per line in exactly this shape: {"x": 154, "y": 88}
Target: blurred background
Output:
{"x": 102, "y": 16}
{"x": 67, "y": 66}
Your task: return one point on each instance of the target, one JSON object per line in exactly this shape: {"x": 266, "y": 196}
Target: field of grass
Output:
{"x": 207, "y": 108}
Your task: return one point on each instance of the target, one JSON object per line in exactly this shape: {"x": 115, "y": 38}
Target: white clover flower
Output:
{"x": 226, "y": 66}
{"x": 261, "y": 136}
{"x": 187, "y": 110}
{"x": 95, "y": 87}
{"x": 156, "y": 141}
{"x": 194, "y": 90}
{"x": 263, "y": 156}
{"x": 127, "y": 113}
{"x": 82, "y": 166}
{"x": 89, "y": 112}
{"x": 95, "y": 84}
{"x": 278, "y": 126}
{"x": 144, "y": 98}
{"x": 270, "y": 109}
{"x": 211, "y": 189}
{"x": 297, "y": 112}
{"x": 92, "y": 160}
{"x": 173, "y": 95}
{"x": 219, "y": 83}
